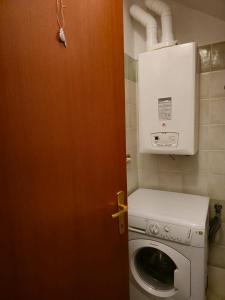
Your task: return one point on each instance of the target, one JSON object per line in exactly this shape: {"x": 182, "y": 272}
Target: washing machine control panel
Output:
{"x": 176, "y": 233}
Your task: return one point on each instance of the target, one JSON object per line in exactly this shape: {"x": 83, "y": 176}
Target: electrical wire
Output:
{"x": 59, "y": 13}
{"x": 215, "y": 223}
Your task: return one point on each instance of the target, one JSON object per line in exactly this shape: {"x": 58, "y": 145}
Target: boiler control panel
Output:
{"x": 165, "y": 139}
{"x": 176, "y": 233}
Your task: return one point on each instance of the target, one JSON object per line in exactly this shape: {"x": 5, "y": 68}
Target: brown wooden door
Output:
{"x": 62, "y": 152}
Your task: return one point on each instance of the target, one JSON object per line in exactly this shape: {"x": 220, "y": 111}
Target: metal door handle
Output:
{"x": 124, "y": 208}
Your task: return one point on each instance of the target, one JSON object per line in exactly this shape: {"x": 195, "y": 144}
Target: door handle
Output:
{"x": 122, "y": 209}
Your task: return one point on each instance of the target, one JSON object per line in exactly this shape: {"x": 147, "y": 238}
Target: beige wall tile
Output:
{"x": 131, "y": 134}
{"x": 133, "y": 116}
{"x": 130, "y": 67}
{"x": 203, "y": 137}
{"x": 217, "y": 162}
{"x": 148, "y": 161}
{"x": 220, "y": 236}
{"x": 216, "y": 280}
{"x": 205, "y": 58}
{"x": 218, "y": 56}
{"x": 184, "y": 163}
{"x": 217, "y": 84}
{"x": 217, "y": 187}
{"x": 196, "y": 184}
{"x": 188, "y": 164}
{"x": 170, "y": 163}
{"x": 217, "y": 111}
{"x": 132, "y": 75}
{"x": 131, "y": 120}
{"x": 197, "y": 163}
{"x": 217, "y": 256}
{"x": 171, "y": 181}
{"x": 148, "y": 178}
{"x": 130, "y": 91}
{"x": 212, "y": 296}
{"x": 204, "y": 111}
{"x": 127, "y": 116}
{"x": 131, "y": 140}
{"x": 204, "y": 85}
{"x": 132, "y": 180}
{"x": 216, "y": 137}
{"x": 202, "y": 162}
{"x": 132, "y": 164}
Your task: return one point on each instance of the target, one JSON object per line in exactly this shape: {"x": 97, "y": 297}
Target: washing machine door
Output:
{"x": 159, "y": 270}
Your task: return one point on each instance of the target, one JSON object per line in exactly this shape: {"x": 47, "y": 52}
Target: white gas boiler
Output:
{"x": 168, "y": 100}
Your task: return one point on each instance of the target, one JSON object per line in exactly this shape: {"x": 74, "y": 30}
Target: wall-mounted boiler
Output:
{"x": 167, "y": 85}
{"x": 168, "y": 106}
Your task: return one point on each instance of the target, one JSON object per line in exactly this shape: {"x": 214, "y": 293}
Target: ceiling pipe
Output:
{"x": 164, "y": 10}
{"x": 148, "y": 22}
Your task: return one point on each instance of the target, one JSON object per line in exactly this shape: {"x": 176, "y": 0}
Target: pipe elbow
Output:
{"x": 165, "y": 12}
{"x": 148, "y": 21}
{"x": 141, "y": 16}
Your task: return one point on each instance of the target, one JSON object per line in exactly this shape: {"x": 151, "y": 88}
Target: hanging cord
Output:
{"x": 61, "y": 21}
{"x": 215, "y": 223}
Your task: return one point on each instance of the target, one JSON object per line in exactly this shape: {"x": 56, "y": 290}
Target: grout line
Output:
{"x": 213, "y": 98}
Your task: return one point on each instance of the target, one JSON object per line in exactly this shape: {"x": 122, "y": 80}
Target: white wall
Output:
{"x": 192, "y": 25}
{"x": 189, "y": 25}
{"x": 215, "y": 8}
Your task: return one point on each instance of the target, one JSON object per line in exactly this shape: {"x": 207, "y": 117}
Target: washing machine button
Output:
{"x": 166, "y": 228}
{"x": 154, "y": 229}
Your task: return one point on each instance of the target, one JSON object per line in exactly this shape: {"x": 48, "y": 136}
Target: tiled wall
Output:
{"x": 212, "y": 57}
{"x": 131, "y": 122}
{"x": 212, "y": 142}
{"x": 201, "y": 174}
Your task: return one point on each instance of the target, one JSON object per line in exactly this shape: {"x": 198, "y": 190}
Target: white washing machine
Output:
{"x": 168, "y": 238}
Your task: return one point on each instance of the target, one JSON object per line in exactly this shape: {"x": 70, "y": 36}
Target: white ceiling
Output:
{"x": 215, "y": 8}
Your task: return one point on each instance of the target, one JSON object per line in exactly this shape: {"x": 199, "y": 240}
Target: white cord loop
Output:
{"x": 61, "y": 21}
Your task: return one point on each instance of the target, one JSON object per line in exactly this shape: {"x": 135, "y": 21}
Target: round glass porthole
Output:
{"x": 155, "y": 268}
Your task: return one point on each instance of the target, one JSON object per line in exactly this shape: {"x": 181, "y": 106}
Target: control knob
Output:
{"x": 166, "y": 228}
{"x": 154, "y": 229}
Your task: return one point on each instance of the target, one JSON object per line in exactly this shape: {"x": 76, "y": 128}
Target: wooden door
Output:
{"x": 62, "y": 152}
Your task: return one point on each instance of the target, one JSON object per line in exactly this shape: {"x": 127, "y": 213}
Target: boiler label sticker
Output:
{"x": 165, "y": 108}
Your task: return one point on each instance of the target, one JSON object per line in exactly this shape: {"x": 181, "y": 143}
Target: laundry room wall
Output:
{"x": 130, "y": 97}
{"x": 131, "y": 124}
{"x": 203, "y": 173}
